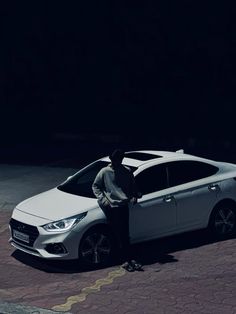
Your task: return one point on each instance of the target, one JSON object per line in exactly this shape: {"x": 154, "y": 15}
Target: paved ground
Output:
{"x": 183, "y": 274}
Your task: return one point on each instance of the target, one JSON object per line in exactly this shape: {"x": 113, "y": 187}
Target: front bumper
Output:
{"x": 40, "y": 240}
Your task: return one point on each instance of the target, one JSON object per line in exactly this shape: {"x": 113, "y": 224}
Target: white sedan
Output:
{"x": 180, "y": 193}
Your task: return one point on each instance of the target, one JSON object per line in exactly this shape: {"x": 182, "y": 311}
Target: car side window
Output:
{"x": 152, "y": 179}
{"x": 185, "y": 171}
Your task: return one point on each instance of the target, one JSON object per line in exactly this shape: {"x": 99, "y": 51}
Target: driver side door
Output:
{"x": 155, "y": 213}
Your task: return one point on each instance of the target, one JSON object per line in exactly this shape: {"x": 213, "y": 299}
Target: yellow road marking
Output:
{"x": 3, "y": 228}
{"x": 88, "y": 290}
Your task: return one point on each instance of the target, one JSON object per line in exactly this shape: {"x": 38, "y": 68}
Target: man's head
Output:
{"x": 116, "y": 157}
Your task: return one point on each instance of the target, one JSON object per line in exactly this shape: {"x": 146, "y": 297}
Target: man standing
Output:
{"x": 114, "y": 187}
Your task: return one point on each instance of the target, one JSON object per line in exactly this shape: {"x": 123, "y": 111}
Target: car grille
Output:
{"x": 31, "y": 231}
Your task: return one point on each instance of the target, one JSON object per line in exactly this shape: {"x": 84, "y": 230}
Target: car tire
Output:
{"x": 97, "y": 248}
{"x": 223, "y": 221}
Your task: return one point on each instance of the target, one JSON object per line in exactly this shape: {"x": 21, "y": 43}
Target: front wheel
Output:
{"x": 96, "y": 248}
{"x": 223, "y": 221}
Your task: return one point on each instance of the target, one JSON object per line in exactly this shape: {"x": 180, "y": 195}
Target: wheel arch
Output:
{"x": 99, "y": 225}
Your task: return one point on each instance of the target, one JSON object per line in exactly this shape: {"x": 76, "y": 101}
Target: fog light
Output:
{"x": 56, "y": 248}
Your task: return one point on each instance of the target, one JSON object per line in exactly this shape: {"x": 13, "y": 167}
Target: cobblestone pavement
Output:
{"x": 182, "y": 274}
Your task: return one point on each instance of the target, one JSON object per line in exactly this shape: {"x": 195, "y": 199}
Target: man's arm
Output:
{"x": 99, "y": 189}
{"x": 98, "y": 186}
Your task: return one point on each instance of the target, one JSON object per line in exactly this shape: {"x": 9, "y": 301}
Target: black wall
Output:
{"x": 160, "y": 70}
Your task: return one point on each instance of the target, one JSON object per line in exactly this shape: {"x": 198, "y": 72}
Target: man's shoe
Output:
{"x": 127, "y": 266}
{"x": 136, "y": 266}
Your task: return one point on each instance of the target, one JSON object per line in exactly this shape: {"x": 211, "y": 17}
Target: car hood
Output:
{"x": 55, "y": 205}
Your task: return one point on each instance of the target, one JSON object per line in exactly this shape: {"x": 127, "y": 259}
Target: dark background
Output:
{"x": 79, "y": 79}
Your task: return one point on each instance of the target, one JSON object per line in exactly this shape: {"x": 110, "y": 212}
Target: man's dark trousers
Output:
{"x": 118, "y": 218}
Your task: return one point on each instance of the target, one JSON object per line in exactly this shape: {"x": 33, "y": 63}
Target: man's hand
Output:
{"x": 133, "y": 200}
{"x": 103, "y": 201}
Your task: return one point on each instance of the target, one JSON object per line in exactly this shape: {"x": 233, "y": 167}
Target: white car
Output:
{"x": 180, "y": 193}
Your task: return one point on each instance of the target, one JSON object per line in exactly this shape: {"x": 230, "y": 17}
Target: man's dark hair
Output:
{"x": 117, "y": 154}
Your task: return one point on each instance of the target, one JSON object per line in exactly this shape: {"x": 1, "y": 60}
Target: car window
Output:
{"x": 152, "y": 179}
{"x": 185, "y": 171}
{"x": 81, "y": 183}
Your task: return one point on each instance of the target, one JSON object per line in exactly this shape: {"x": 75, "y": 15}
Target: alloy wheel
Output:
{"x": 225, "y": 220}
{"x": 96, "y": 248}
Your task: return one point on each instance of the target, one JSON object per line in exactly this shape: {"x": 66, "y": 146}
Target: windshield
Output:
{"x": 81, "y": 183}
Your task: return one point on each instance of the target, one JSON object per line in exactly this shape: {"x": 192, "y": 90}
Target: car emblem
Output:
{"x": 21, "y": 227}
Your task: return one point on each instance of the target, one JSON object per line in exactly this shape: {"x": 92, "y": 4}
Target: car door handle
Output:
{"x": 168, "y": 198}
{"x": 213, "y": 187}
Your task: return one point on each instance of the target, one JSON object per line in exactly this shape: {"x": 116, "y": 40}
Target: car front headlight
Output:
{"x": 64, "y": 224}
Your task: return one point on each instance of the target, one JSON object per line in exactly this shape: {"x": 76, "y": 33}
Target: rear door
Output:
{"x": 195, "y": 194}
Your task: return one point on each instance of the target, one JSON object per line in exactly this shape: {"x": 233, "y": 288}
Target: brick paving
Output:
{"x": 199, "y": 277}
{"x": 203, "y": 280}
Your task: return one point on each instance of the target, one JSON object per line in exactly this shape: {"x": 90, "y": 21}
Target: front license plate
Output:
{"x": 21, "y": 236}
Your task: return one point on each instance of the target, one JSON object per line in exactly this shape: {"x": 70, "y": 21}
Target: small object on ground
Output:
{"x": 127, "y": 266}
{"x": 136, "y": 266}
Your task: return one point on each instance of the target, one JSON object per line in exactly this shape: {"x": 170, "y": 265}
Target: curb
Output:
{"x": 6, "y": 308}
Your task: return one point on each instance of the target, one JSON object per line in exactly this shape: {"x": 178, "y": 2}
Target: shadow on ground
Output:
{"x": 162, "y": 250}
{"x": 148, "y": 253}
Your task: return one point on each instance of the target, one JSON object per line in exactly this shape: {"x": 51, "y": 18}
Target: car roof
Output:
{"x": 141, "y": 157}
